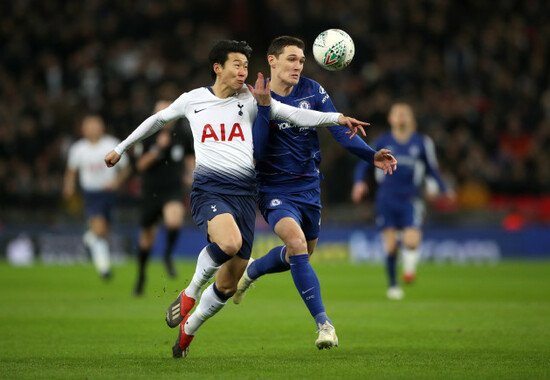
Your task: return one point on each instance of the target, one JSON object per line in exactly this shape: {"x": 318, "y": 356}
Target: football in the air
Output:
{"x": 333, "y": 49}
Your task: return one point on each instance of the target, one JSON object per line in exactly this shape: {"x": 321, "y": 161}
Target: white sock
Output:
{"x": 206, "y": 269}
{"x": 100, "y": 254}
{"x": 410, "y": 260}
{"x": 208, "y": 306}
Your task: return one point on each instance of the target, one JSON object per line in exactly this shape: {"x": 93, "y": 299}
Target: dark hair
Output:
{"x": 278, "y": 45}
{"x": 221, "y": 50}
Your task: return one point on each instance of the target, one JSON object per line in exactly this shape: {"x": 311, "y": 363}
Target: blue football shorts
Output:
{"x": 206, "y": 205}
{"x": 304, "y": 207}
{"x": 99, "y": 203}
{"x": 399, "y": 214}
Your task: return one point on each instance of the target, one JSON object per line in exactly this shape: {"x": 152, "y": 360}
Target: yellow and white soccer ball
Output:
{"x": 333, "y": 49}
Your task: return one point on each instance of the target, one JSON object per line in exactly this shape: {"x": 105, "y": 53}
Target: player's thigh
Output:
{"x": 292, "y": 236}
{"x": 147, "y": 237}
{"x": 172, "y": 213}
{"x": 224, "y": 231}
{"x": 412, "y": 236}
{"x": 389, "y": 237}
{"x": 229, "y": 274}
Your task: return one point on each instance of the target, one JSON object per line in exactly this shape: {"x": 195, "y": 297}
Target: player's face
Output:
{"x": 288, "y": 66}
{"x": 92, "y": 128}
{"x": 234, "y": 71}
{"x": 401, "y": 117}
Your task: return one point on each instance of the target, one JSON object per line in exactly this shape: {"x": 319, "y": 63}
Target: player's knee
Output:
{"x": 231, "y": 244}
{"x": 296, "y": 246}
{"x": 99, "y": 227}
{"x": 226, "y": 290}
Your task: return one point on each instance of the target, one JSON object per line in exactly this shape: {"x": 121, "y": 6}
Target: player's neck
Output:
{"x": 222, "y": 91}
{"x": 401, "y": 136}
{"x": 279, "y": 87}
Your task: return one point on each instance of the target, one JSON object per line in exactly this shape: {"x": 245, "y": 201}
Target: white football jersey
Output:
{"x": 222, "y": 135}
{"x": 87, "y": 159}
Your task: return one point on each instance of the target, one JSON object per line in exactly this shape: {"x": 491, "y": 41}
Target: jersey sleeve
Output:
{"x": 260, "y": 131}
{"x": 430, "y": 159}
{"x": 356, "y": 145}
{"x": 363, "y": 167}
{"x": 154, "y": 123}
{"x": 302, "y": 117}
{"x": 73, "y": 161}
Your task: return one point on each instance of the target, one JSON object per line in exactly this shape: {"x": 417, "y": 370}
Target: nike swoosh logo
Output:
{"x": 305, "y": 291}
{"x": 197, "y": 111}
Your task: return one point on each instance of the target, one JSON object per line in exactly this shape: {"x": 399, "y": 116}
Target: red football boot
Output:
{"x": 181, "y": 347}
{"x": 179, "y": 309}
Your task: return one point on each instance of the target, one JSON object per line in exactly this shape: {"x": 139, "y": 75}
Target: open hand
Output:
{"x": 385, "y": 161}
{"x": 354, "y": 125}
{"x": 261, "y": 91}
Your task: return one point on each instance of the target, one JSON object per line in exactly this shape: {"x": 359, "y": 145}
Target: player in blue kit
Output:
{"x": 223, "y": 195}
{"x": 399, "y": 205}
{"x": 287, "y": 169}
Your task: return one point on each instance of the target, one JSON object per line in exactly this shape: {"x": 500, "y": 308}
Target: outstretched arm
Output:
{"x": 150, "y": 126}
{"x": 302, "y": 117}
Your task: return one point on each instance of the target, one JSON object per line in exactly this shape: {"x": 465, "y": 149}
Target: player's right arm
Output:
{"x": 360, "y": 186}
{"x": 150, "y": 126}
{"x": 69, "y": 179}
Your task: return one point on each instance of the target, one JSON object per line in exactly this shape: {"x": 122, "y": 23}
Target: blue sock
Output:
{"x": 391, "y": 266}
{"x": 274, "y": 261}
{"x": 308, "y": 286}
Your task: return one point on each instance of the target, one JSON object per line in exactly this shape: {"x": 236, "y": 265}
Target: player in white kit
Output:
{"x": 221, "y": 117}
{"x": 98, "y": 185}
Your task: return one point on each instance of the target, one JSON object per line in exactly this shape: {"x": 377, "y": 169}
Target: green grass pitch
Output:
{"x": 456, "y": 322}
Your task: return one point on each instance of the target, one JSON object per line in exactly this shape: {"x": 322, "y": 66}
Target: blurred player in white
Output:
{"x": 399, "y": 203}
{"x": 223, "y": 204}
{"x": 287, "y": 167}
{"x": 98, "y": 185}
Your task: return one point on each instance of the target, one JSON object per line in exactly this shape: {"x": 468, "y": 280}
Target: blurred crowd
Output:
{"x": 476, "y": 74}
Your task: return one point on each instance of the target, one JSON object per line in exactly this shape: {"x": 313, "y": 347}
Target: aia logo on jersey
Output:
{"x": 236, "y": 132}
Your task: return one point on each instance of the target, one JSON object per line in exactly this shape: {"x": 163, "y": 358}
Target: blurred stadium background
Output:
{"x": 475, "y": 72}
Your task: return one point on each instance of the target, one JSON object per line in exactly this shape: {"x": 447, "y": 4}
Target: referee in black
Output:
{"x": 165, "y": 162}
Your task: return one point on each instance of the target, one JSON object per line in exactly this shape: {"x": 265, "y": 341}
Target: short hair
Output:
{"x": 278, "y": 45}
{"x": 221, "y": 50}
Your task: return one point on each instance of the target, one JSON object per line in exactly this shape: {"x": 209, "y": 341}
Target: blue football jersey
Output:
{"x": 416, "y": 159}
{"x": 291, "y": 159}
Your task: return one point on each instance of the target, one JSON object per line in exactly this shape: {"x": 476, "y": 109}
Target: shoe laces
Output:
{"x": 325, "y": 327}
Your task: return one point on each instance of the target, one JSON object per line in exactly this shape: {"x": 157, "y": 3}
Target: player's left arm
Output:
{"x": 432, "y": 167}
{"x": 381, "y": 159}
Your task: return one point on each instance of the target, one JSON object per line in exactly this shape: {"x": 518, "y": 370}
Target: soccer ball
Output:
{"x": 333, "y": 49}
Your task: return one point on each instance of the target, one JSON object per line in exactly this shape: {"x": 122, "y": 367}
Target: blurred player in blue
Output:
{"x": 399, "y": 203}
{"x": 287, "y": 169}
